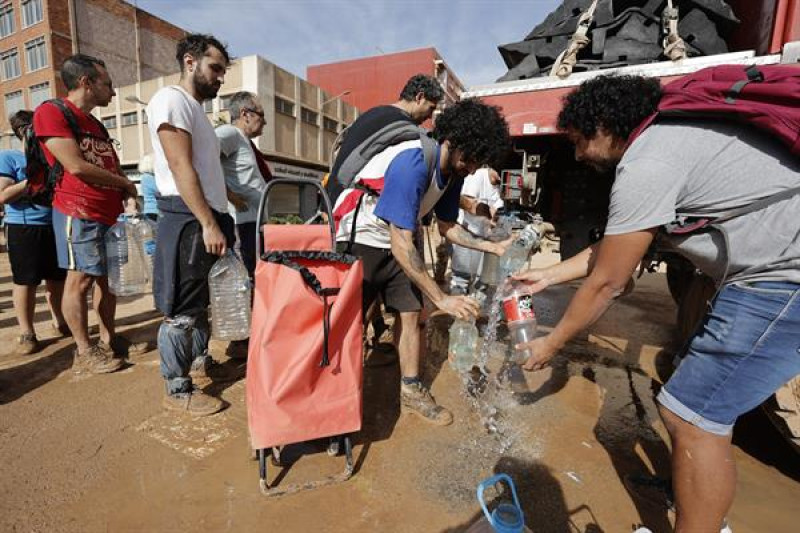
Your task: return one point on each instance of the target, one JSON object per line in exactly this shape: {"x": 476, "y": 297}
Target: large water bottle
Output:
{"x": 520, "y": 318}
{"x": 517, "y": 254}
{"x": 505, "y": 517}
{"x": 462, "y": 351}
{"x": 229, "y": 287}
{"x": 490, "y": 273}
{"x": 147, "y": 235}
{"x": 127, "y": 269}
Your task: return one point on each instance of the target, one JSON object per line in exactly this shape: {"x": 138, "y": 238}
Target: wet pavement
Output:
{"x": 99, "y": 454}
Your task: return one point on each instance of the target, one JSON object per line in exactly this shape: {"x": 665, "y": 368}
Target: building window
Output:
{"x": 208, "y": 106}
{"x": 129, "y": 119}
{"x": 14, "y": 102}
{"x": 110, "y": 122}
{"x": 225, "y": 101}
{"x": 31, "y": 12}
{"x": 35, "y": 54}
{"x": 144, "y": 116}
{"x": 284, "y": 106}
{"x": 330, "y": 125}
{"x": 10, "y": 61}
{"x": 39, "y": 93}
{"x": 6, "y": 20}
{"x": 308, "y": 116}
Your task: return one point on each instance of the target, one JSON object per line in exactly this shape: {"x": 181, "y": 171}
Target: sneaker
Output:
{"x": 194, "y": 402}
{"x": 238, "y": 349}
{"x": 27, "y": 343}
{"x": 417, "y": 399}
{"x": 123, "y": 347}
{"x": 96, "y": 361}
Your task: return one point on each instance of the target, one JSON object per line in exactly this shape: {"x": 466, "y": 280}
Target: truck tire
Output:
{"x": 783, "y": 408}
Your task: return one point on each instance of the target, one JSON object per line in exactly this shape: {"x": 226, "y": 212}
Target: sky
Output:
{"x": 296, "y": 33}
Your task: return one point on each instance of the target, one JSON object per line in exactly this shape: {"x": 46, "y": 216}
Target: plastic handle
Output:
{"x": 263, "y": 206}
{"x": 490, "y": 482}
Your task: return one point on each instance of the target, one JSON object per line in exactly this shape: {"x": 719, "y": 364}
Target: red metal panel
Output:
{"x": 375, "y": 80}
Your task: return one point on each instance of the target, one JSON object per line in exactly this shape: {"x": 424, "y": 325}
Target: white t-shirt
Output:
{"x": 478, "y": 186}
{"x": 174, "y": 106}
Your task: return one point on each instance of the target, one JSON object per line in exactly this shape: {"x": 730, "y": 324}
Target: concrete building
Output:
{"x": 37, "y": 35}
{"x": 302, "y": 119}
{"x": 377, "y": 80}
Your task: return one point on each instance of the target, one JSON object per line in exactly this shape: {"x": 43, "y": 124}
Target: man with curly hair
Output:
{"x": 382, "y": 209}
{"x": 747, "y": 344}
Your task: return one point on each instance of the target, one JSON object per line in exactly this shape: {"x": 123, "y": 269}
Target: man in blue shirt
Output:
{"x": 380, "y": 212}
{"x": 31, "y": 244}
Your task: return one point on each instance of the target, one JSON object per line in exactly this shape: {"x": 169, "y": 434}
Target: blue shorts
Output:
{"x": 747, "y": 347}
{"x": 80, "y": 244}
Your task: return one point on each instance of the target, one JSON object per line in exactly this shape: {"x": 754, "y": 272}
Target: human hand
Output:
{"x": 501, "y": 247}
{"x": 213, "y": 239}
{"x": 129, "y": 189}
{"x": 542, "y": 351}
{"x": 459, "y": 306}
{"x": 535, "y": 278}
{"x": 131, "y": 206}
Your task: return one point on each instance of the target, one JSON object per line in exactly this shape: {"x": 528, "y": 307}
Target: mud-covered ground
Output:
{"x": 99, "y": 454}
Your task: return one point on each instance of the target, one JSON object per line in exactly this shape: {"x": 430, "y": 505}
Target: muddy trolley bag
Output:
{"x": 304, "y": 365}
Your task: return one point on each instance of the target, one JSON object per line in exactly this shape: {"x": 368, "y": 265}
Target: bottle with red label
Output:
{"x": 520, "y": 318}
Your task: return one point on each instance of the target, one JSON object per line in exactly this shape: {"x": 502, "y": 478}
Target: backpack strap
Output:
{"x": 674, "y": 46}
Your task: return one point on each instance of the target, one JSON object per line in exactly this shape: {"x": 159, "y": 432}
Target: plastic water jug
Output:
{"x": 517, "y": 254}
{"x": 147, "y": 235}
{"x": 490, "y": 273}
{"x": 462, "y": 351}
{"x": 229, "y": 287}
{"x": 520, "y": 318}
{"x": 127, "y": 266}
{"x": 505, "y": 517}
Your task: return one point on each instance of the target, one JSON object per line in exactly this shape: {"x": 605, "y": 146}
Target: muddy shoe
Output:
{"x": 205, "y": 369}
{"x": 123, "y": 347}
{"x": 27, "y": 343}
{"x": 238, "y": 349}
{"x": 417, "y": 399}
{"x": 196, "y": 403}
{"x": 96, "y": 361}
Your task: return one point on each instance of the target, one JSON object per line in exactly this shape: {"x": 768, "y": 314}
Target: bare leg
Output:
{"x": 24, "y": 297}
{"x": 75, "y": 308}
{"x": 703, "y": 475}
{"x": 105, "y": 305}
{"x": 54, "y": 292}
{"x": 408, "y": 345}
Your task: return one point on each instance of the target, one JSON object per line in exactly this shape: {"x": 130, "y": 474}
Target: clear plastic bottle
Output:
{"x": 127, "y": 269}
{"x": 229, "y": 287}
{"x": 520, "y": 318}
{"x": 147, "y": 235}
{"x": 490, "y": 274}
{"x": 462, "y": 351}
{"x": 517, "y": 254}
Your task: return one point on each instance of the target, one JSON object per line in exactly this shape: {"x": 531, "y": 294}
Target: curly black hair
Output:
{"x": 477, "y": 129}
{"x": 420, "y": 83}
{"x": 196, "y": 45}
{"x": 617, "y": 104}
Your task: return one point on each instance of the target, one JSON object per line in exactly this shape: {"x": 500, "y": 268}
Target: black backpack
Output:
{"x": 42, "y": 178}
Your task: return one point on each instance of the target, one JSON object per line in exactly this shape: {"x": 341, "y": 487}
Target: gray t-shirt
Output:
{"x": 241, "y": 171}
{"x": 707, "y": 168}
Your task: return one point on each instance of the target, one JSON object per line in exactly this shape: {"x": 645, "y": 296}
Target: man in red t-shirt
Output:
{"x": 87, "y": 201}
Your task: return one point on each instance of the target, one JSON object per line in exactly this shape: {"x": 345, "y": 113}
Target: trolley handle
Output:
{"x": 263, "y": 206}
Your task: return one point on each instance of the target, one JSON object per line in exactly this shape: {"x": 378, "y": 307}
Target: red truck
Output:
{"x": 543, "y": 176}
